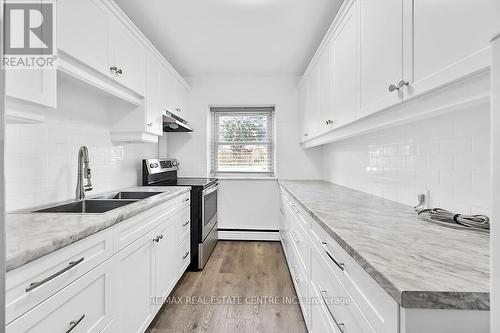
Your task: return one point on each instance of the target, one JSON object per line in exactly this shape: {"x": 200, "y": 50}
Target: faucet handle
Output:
{"x": 87, "y": 188}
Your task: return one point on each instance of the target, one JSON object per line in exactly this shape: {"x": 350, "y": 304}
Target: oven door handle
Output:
{"x": 210, "y": 190}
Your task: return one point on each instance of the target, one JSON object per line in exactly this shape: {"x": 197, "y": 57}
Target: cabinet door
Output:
{"x": 86, "y": 305}
{"x": 168, "y": 90}
{"x": 345, "y": 68}
{"x": 380, "y": 53}
{"x": 303, "y": 111}
{"x": 38, "y": 86}
{"x": 311, "y": 120}
{"x": 180, "y": 99}
{"x": 166, "y": 262}
{"x": 447, "y": 40}
{"x": 136, "y": 285}
{"x": 153, "y": 110}
{"x": 83, "y": 38}
{"x": 129, "y": 58}
{"x": 326, "y": 110}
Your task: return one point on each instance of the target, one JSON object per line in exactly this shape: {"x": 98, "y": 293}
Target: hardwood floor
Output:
{"x": 245, "y": 287}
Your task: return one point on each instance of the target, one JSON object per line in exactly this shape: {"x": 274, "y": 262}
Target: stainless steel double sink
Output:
{"x": 99, "y": 205}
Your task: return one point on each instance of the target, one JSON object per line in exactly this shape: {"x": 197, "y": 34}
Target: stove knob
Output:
{"x": 175, "y": 163}
{"x": 152, "y": 165}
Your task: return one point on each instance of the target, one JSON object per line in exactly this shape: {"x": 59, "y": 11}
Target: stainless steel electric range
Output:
{"x": 204, "y": 234}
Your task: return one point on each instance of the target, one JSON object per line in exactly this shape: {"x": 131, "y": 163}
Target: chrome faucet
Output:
{"x": 83, "y": 172}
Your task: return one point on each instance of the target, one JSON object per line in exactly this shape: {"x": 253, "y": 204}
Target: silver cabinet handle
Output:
{"x": 340, "y": 325}
{"x": 185, "y": 255}
{"x": 178, "y": 109}
{"x": 329, "y": 122}
{"x": 161, "y": 236}
{"x": 185, "y": 223}
{"x": 340, "y": 265}
{"x": 296, "y": 240}
{"x": 120, "y": 71}
{"x": 306, "y": 134}
{"x": 113, "y": 69}
{"x": 149, "y": 124}
{"x": 156, "y": 239}
{"x": 400, "y": 84}
{"x": 37, "y": 284}
{"x": 186, "y": 200}
{"x": 74, "y": 323}
{"x": 393, "y": 87}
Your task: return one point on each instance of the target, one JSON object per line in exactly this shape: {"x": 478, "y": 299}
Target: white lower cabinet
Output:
{"x": 101, "y": 289}
{"x": 136, "y": 285}
{"x": 86, "y": 305}
{"x": 336, "y": 294}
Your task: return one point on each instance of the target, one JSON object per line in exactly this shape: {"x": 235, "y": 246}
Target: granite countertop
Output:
{"x": 30, "y": 236}
{"x": 421, "y": 264}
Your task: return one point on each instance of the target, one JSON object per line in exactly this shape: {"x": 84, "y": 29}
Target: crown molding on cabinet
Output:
{"x": 133, "y": 137}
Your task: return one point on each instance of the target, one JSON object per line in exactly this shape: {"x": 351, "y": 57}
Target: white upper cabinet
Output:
{"x": 344, "y": 46}
{"x": 85, "y": 39}
{"x": 384, "y": 53}
{"x": 327, "y": 113}
{"x": 37, "y": 86}
{"x": 154, "y": 111}
{"x": 446, "y": 40}
{"x": 312, "y": 115}
{"x": 128, "y": 62}
{"x": 380, "y": 54}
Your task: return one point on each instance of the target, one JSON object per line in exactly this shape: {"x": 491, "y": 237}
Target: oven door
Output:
{"x": 209, "y": 210}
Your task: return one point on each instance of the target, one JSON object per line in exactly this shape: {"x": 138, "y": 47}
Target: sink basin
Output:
{"x": 130, "y": 195}
{"x": 87, "y": 206}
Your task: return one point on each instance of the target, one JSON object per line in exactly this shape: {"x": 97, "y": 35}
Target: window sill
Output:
{"x": 246, "y": 178}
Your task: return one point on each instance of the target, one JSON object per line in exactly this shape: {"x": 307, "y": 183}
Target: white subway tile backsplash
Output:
{"x": 448, "y": 155}
{"x": 41, "y": 160}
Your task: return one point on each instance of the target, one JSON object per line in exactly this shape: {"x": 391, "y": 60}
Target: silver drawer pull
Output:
{"x": 185, "y": 255}
{"x": 186, "y": 200}
{"x": 185, "y": 223}
{"x": 340, "y": 265}
{"x": 37, "y": 284}
{"x": 295, "y": 239}
{"x": 324, "y": 295}
{"x": 74, "y": 323}
{"x": 156, "y": 239}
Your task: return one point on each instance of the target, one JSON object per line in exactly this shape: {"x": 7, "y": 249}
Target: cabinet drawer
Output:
{"x": 184, "y": 254}
{"x": 135, "y": 227}
{"x": 343, "y": 310}
{"x": 85, "y": 305}
{"x": 376, "y": 305}
{"x": 34, "y": 282}
{"x": 321, "y": 320}
{"x": 183, "y": 224}
{"x": 300, "y": 241}
{"x": 301, "y": 283}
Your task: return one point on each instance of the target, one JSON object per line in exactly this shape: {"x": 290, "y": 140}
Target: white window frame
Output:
{"x": 235, "y": 110}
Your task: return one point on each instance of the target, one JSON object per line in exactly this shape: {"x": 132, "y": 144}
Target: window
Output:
{"x": 242, "y": 140}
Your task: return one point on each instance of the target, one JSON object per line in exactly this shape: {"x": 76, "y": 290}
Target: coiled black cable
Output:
{"x": 470, "y": 221}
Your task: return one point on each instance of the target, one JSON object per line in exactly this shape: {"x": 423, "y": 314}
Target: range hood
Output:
{"x": 172, "y": 123}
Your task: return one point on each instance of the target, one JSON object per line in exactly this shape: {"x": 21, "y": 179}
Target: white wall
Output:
{"x": 254, "y": 199}
{"x": 448, "y": 155}
{"x": 41, "y": 159}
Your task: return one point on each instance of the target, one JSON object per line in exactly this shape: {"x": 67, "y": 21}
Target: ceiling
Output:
{"x": 234, "y": 37}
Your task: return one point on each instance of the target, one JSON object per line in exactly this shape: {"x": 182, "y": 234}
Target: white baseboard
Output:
{"x": 249, "y": 235}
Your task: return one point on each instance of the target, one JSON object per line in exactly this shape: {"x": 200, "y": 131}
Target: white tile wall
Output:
{"x": 447, "y": 155}
{"x": 41, "y": 159}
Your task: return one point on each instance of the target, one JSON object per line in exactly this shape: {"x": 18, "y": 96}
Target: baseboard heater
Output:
{"x": 249, "y": 234}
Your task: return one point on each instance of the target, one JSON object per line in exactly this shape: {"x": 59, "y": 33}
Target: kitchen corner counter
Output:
{"x": 421, "y": 264}
{"x": 30, "y": 236}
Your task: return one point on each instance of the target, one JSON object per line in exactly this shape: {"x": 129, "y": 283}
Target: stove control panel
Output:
{"x": 155, "y": 165}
